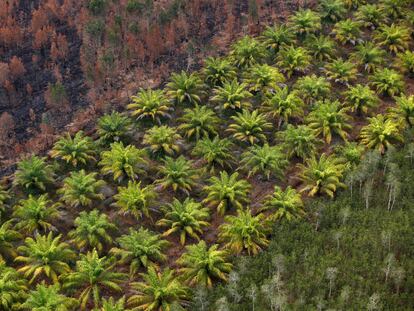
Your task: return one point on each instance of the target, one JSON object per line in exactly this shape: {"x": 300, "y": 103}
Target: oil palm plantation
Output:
{"x": 293, "y": 59}
{"x": 45, "y": 256}
{"x": 370, "y": 15}
{"x": 304, "y": 22}
{"x": 332, "y": 10}
{"x": 4, "y": 198}
{"x": 81, "y": 189}
{"x": 33, "y": 174}
{"x": 12, "y": 288}
{"x": 76, "y": 150}
{"x": 198, "y": 122}
{"x": 347, "y": 31}
{"x": 113, "y": 127}
{"x": 185, "y": 88}
{"x": 394, "y": 8}
{"x": 369, "y": 56}
{"x": 320, "y": 47}
{"x": 231, "y": 96}
{"x": 284, "y": 204}
{"x": 403, "y": 112}
{"x": 244, "y": 232}
{"x": 150, "y": 104}
{"x": 201, "y": 264}
{"x": 140, "y": 248}
{"x": 226, "y": 191}
{"x": 218, "y": 71}
{"x": 93, "y": 230}
{"x": 360, "y": 98}
{"x": 247, "y": 52}
{"x": 215, "y": 152}
{"x": 113, "y": 305}
{"x": 92, "y": 275}
{"x": 277, "y": 36}
{"x": 405, "y": 62}
{"x": 263, "y": 79}
{"x": 8, "y": 236}
{"x": 299, "y": 141}
{"x": 387, "y": 82}
{"x": 394, "y": 37}
{"x": 186, "y": 218}
{"x": 341, "y": 71}
{"x": 313, "y": 88}
{"x": 162, "y": 140}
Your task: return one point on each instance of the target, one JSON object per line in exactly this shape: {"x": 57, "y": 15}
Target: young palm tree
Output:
{"x": 36, "y": 214}
{"x": 215, "y": 152}
{"x": 341, "y": 71}
{"x": 283, "y": 105}
{"x": 313, "y": 88}
{"x": 187, "y": 218}
{"x": 202, "y": 264}
{"x": 395, "y": 38}
{"x": 150, "y": 104}
{"x": 140, "y": 248}
{"x": 404, "y": 110}
{"x": 369, "y": 56}
{"x": 199, "y": 122}
{"x": 354, "y": 4}
{"x": 360, "y": 98}
{"x": 332, "y": 10}
{"x": 162, "y": 140}
{"x": 321, "y": 176}
{"x": 81, "y": 189}
{"x": 113, "y": 305}
{"x": 320, "y": 47}
{"x": 351, "y": 154}
{"x": 48, "y": 298}
{"x": 13, "y": 288}
{"x": 387, "y": 81}
{"x": 232, "y": 95}
{"x": 305, "y": 22}
{"x": 7, "y": 238}
{"x": 92, "y": 230}
{"x": 380, "y": 133}
{"x": 123, "y": 161}
{"x": 394, "y": 8}
{"x": 226, "y": 191}
{"x": 293, "y": 59}
{"x": 347, "y": 31}
{"x": 370, "y": 15}
{"x": 263, "y": 78}
{"x": 33, "y": 174}
{"x": 158, "y": 291}
{"x": 218, "y": 71}
{"x": 284, "y": 204}
{"x": 178, "y": 174}
{"x": 266, "y": 160}
{"x": 74, "y": 151}
{"x": 277, "y": 36}
{"x": 134, "y": 199}
{"x": 244, "y": 232}
{"x": 4, "y": 198}
{"x": 247, "y": 52}
{"x": 329, "y": 118}
{"x": 299, "y": 141}
{"x": 405, "y": 62}
{"x": 93, "y": 274}
{"x": 249, "y": 127}
{"x": 185, "y": 88}
{"x": 113, "y": 127}
{"x": 44, "y": 255}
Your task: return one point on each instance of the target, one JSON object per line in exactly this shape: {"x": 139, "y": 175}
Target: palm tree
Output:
{"x": 244, "y": 232}
{"x": 48, "y": 298}
{"x": 202, "y": 264}
{"x": 113, "y": 305}
{"x": 395, "y": 38}
{"x": 347, "y": 31}
{"x": 226, "y": 191}
{"x": 33, "y": 174}
{"x": 305, "y": 22}
{"x": 369, "y": 56}
{"x": 92, "y": 230}
{"x": 134, "y": 199}
{"x": 36, "y": 214}
{"x": 405, "y": 62}
{"x": 199, "y": 122}
{"x": 387, "y": 81}
{"x": 380, "y": 133}
{"x": 263, "y": 78}
{"x": 283, "y": 105}
{"x": 13, "y": 288}
{"x": 249, "y": 127}
{"x": 158, "y": 291}
{"x": 4, "y": 197}
{"x": 113, "y": 127}
{"x": 299, "y": 141}
{"x": 394, "y": 8}
{"x": 215, "y": 152}
{"x": 74, "y": 151}
{"x": 404, "y": 110}
{"x": 7, "y": 238}
{"x": 293, "y": 59}
{"x": 123, "y": 161}
{"x": 162, "y": 140}
{"x": 332, "y": 10}
{"x": 44, "y": 255}
{"x": 320, "y": 47}
{"x": 92, "y": 274}
{"x": 247, "y": 52}
{"x": 186, "y": 218}
{"x": 329, "y": 118}
{"x": 266, "y": 160}
{"x": 150, "y": 104}
{"x": 178, "y": 174}
{"x": 370, "y": 15}
{"x": 341, "y": 71}
{"x": 354, "y": 4}
{"x": 232, "y": 95}
{"x": 313, "y": 88}
{"x": 360, "y": 98}
{"x": 351, "y": 154}
{"x": 321, "y": 176}
{"x": 277, "y": 36}
{"x": 81, "y": 189}
{"x": 140, "y": 248}
{"x": 285, "y": 204}
{"x": 218, "y": 71}
{"x": 185, "y": 88}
